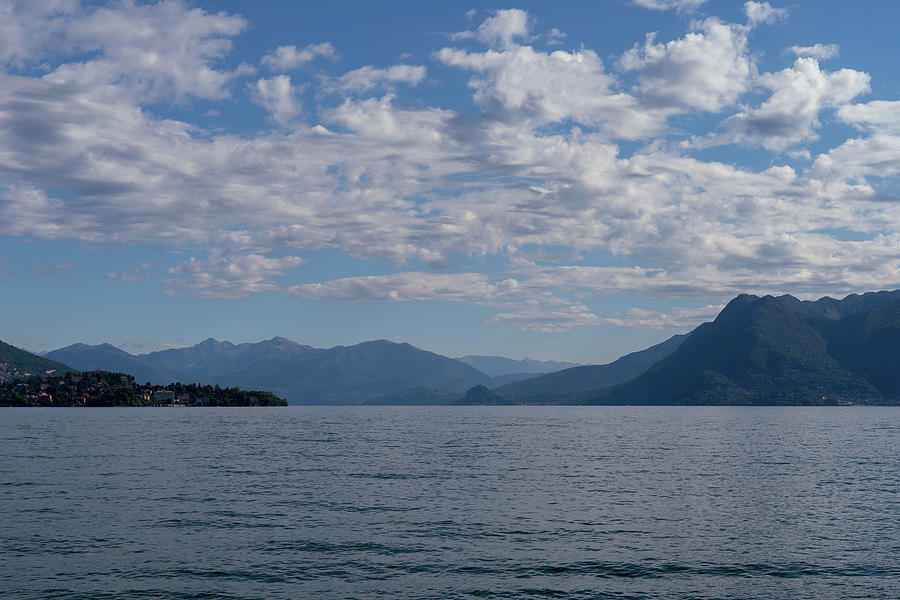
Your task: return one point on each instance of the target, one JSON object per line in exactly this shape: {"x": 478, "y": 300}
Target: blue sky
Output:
{"x": 566, "y": 182}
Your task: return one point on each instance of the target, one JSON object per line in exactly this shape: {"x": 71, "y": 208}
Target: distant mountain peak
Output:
{"x": 500, "y": 365}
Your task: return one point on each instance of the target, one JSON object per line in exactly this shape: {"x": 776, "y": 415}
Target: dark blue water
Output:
{"x": 441, "y": 502}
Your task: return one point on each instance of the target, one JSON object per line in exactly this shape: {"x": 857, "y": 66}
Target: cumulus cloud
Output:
{"x": 162, "y": 50}
{"x": 708, "y": 69}
{"x": 819, "y": 51}
{"x": 285, "y": 58}
{"x": 521, "y": 83}
{"x": 790, "y": 115}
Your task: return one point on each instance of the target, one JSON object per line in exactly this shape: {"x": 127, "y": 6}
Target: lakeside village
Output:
{"x": 105, "y": 388}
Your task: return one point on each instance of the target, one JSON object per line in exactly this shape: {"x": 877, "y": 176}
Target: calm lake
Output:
{"x": 450, "y": 502}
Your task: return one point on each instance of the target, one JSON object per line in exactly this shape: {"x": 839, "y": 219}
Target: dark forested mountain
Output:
{"x": 498, "y": 365}
{"x": 417, "y": 396}
{"x": 590, "y": 377}
{"x": 479, "y": 395}
{"x": 779, "y": 351}
{"x": 109, "y": 358}
{"x": 15, "y": 362}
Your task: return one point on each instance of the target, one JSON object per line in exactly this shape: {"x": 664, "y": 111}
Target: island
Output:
{"x": 106, "y": 388}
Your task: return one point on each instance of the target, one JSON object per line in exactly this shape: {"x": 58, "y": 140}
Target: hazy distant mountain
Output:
{"x": 353, "y": 374}
{"x": 499, "y": 365}
{"x": 590, "y": 377}
{"x": 15, "y": 362}
{"x": 212, "y": 358}
{"x": 109, "y": 358}
{"x": 780, "y": 351}
{"x": 344, "y": 374}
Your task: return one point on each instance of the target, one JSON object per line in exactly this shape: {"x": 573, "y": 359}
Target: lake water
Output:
{"x": 450, "y": 502}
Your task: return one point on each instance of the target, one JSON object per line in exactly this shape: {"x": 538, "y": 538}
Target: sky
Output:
{"x": 568, "y": 182}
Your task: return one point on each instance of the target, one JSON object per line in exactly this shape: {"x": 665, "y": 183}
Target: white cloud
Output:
{"x": 684, "y": 319}
{"x": 534, "y": 172}
{"x": 708, "y": 69}
{"x": 224, "y": 276}
{"x": 377, "y": 119}
{"x": 506, "y": 25}
{"x": 409, "y": 285}
{"x": 553, "y": 319}
{"x": 368, "y": 78}
{"x": 523, "y": 84}
{"x": 162, "y": 50}
{"x": 878, "y": 115}
{"x": 277, "y": 96}
{"x": 679, "y": 5}
{"x": 790, "y": 115}
{"x": 819, "y": 51}
{"x": 285, "y": 58}
{"x": 29, "y": 30}
{"x": 763, "y": 13}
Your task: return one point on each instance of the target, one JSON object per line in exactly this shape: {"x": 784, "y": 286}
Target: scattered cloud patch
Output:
{"x": 407, "y": 286}
{"x": 228, "y": 277}
{"x": 684, "y": 319}
{"x": 286, "y": 58}
{"x": 679, "y": 5}
{"x": 278, "y": 96}
{"x": 763, "y": 13}
{"x": 880, "y": 116}
{"x": 142, "y": 271}
{"x": 534, "y": 316}
{"x": 369, "y": 78}
{"x": 818, "y": 51}
{"x": 500, "y": 30}
{"x": 48, "y": 270}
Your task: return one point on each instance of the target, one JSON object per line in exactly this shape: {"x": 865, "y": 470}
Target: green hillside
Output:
{"x": 778, "y": 351}
{"x": 15, "y": 363}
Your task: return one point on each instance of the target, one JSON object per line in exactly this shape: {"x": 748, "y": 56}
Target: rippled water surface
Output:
{"x": 446, "y": 502}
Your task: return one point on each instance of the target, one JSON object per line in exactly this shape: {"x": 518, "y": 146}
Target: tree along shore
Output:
{"x": 105, "y": 388}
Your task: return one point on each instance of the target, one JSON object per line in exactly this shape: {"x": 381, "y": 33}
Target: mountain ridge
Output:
{"x": 777, "y": 350}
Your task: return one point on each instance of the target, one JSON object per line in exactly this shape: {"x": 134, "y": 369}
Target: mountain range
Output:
{"x": 300, "y": 373}
{"x": 758, "y": 350}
